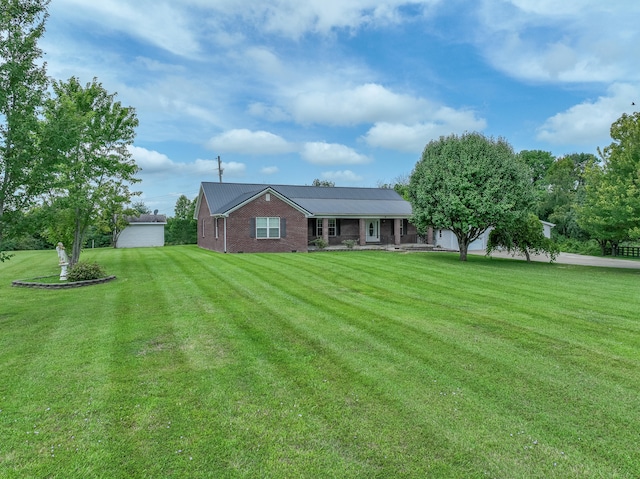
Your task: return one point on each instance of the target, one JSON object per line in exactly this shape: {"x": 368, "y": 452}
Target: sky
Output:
{"x": 350, "y": 91}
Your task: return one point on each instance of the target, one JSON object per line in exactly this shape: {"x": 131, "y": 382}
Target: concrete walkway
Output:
{"x": 571, "y": 258}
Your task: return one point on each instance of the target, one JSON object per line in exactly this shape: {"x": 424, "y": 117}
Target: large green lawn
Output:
{"x": 336, "y": 364}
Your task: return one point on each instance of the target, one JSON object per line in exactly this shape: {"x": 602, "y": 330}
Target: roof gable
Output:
{"x": 268, "y": 189}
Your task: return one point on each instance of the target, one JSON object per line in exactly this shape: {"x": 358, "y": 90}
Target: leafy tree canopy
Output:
{"x": 611, "y": 207}
{"x": 327, "y": 183}
{"x": 139, "y": 208}
{"x": 524, "y": 236}
{"x": 562, "y": 191}
{"x": 467, "y": 184}
{"x": 23, "y": 83}
{"x": 184, "y": 208}
{"x": 538, "y": 162}
{"x": 87, "y": 134}
{"x": 182, "y": 228}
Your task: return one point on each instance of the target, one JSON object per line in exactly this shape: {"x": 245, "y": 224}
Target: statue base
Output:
{"x": 63, "y": 271}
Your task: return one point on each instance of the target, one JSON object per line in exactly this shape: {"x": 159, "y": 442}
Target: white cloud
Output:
{"x": 344, "y": 176}
{"x": 414, "y": 137}
{"x": 263, "y": 61}
{"x": 270, "y": 113}
{"x": 568, "y": 41}
{"x": 162, "y": 24}
{"x": 292, "y": 18}
{"x": 233, "y": 169}
{"x": 150, "y": 161}
{"x": 243, "y": 141}
{"x": 321, "y": 153}
{"x": 269, "y": 170}
{"x": 553, "y": 7}
{"x": 153, "y": 65}
{"x": 366, "y": 103}
{"x": 588, "y": 123}
{"x": 155, "y": 164}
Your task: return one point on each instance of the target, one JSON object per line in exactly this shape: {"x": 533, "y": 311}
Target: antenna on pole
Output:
{"x": 220, "y": 169}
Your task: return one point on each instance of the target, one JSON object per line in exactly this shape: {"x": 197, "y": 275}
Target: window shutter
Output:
{"x": 337, "y": 226}
{"x": 406, "y": 225}
{"x": 283, "y": 227}
{"x": 252, "y": 228}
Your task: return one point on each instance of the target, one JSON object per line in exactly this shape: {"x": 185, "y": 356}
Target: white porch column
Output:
{"x": 396, "y": 231}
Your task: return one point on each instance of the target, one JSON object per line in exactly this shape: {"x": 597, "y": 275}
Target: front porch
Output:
{"x": 374, "y": 233}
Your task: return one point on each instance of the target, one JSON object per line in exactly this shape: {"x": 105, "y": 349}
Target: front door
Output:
{"x": 373, "y": 231}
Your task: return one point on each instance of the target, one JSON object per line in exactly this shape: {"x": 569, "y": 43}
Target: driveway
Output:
{"x": 571, "y": 258}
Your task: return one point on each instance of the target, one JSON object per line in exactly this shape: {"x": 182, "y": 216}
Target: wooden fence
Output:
{"x": 633, "y": 251}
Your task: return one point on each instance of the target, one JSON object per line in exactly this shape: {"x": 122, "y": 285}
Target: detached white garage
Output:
{"x": 143, "y": 231}
{"x": 446, "y": 239}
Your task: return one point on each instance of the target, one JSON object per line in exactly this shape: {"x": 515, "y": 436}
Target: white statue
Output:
{"x": 63, "y": 261}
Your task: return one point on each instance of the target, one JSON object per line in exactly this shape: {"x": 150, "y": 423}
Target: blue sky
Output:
{"x": 351, "y": 91}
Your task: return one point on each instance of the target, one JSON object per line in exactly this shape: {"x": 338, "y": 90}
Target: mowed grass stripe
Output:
{"x": 317, "y": 365}
{"x": 61, "y": 386}
{"x": 300, "y": 346}
{"x": 529, "y": 372}
{"x": 262, "y": 375}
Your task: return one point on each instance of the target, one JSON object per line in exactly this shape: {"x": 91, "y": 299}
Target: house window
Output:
{"x": 203, "y": 223}
{"x": 216, "y": 228}
{"x": 268, "y": 227}
{"x": 332, "y": 227}
{"x": 401, "y": 227}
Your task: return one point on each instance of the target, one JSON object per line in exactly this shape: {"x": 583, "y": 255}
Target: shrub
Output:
{"x": 320, "y": 243}
{"x": 85, "y": 272}
{"x": 589, "y": 247}
{"x": 349, "y": 243}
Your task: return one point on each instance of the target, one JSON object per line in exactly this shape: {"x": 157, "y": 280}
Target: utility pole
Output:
{"x": 220, "y": 169}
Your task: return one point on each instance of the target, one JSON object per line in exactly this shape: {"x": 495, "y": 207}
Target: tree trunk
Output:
{"x": 463, "y": 245}
{"x": 77, "y": 242}
{"x": 526, "y": 255}
{"x": 603, "y": 246}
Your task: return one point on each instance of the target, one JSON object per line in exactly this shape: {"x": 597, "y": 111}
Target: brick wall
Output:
{"x": 206, "y": 229}
{"x": 239, "y": 228}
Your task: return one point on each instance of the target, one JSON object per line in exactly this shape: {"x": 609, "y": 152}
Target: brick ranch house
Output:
{"x": 248, "y": 218}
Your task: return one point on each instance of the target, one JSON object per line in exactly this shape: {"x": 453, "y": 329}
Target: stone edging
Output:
{"x": 67, "y": 285}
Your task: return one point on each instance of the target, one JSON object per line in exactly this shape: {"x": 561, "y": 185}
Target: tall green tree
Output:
{"x": 563, "y": 192}
{"x": 182, "y": 227}
{"x": 87, "y": 134}
{"x": 611, "y": 208}
{"x": 23, "y": 83}
{"x": 538, "y": 161}
{"x": 468, "y": 184}
{"x": 326, "y": 183}
{"x": 602, "y": 214}
{"x": 140, "y": 208}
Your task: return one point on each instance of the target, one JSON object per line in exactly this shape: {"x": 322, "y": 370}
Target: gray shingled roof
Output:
{"x": 147, "y": 218}
{"x": 316, "y": 200}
